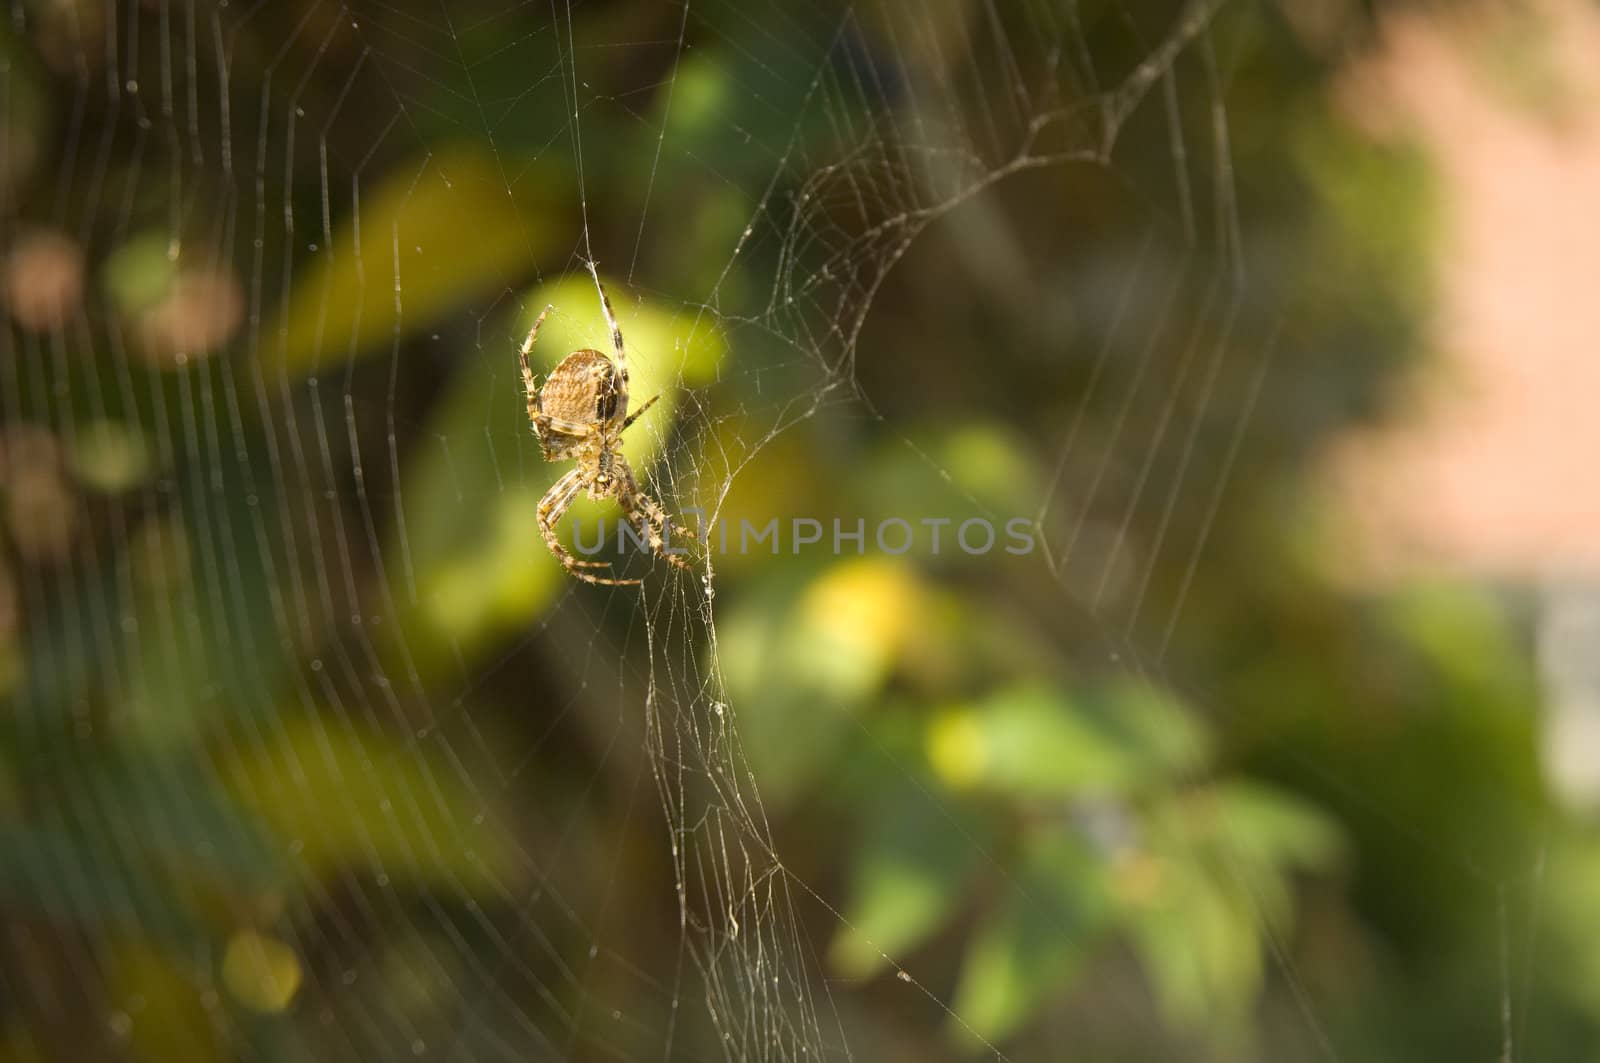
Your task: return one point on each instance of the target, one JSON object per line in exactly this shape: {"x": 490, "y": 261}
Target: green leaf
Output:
{"x": 1037, "y": 741}
{"x": 801, "y": 661}
{"x": 850, "y": 626}
{"x": 1035, "y": 942}
{"x": 1463, "y": 632}
{"x": 789, "y": 733}
{"x": 1200, "y": 944}
{"x": 1269, "y": 827}
{"x": 1150, "y": 720}
{"x": 1215, "y": 873}
{"x": 914, "y": 864}
{"x": 1569, "y": 886}
{"x": 458, "y": 231}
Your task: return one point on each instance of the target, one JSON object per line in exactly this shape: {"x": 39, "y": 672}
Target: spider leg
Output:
{"x": 635, "y": 503}
{"x": 552, "y": 507}
{"x": 616, "y": 341}
{"x": 567, "y": 428}
{"x": 636, "y": 414}
{"x": 551, "y": 429}
{"x": 529, "y": 383}
{"x": 543, "y": 425}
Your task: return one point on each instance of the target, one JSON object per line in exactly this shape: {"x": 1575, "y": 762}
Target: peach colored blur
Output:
{"x": 1492, "y": 464}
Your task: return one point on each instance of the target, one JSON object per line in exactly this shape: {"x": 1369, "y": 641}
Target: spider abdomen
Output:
{"x": 582, "y": 389}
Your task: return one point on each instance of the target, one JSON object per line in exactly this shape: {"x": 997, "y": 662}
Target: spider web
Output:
{"x": 372, "y": 175}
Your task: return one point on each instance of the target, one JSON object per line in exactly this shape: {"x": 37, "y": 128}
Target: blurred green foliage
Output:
{"x": 309, "y": 749}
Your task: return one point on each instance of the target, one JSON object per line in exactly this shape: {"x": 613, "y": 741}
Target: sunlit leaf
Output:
{"x": 502, "y": 581}
{"x": 800, "y": 661}
{"x": 457, "y": 233}
{"x": 1149, "y": 718}
{"x": 957, "y": 748}
{"x": 1040, "y": 741}
{"x": 1255, "y": 839}
{"x": 850, "y": 626}
{"x": 261, "y": 972}
{"x": 1270, "y": 827}
{"x": 788, "y": 733}
{"x": 1200, "y": 945}
{"x": 1466, "y": 634}
{"x": 1213, "y": 879}
{"x": 1567, "y": 887}
{"x": 990, "y": 464}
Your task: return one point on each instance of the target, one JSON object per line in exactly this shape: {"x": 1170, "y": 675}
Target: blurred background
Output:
{"x": 1270, "y": 321}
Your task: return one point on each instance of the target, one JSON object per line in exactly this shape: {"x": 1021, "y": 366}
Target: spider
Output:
{"x": 581, "y": 413}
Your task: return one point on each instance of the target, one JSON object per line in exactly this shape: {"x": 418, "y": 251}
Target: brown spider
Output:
{"x": 581, "y": 413}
